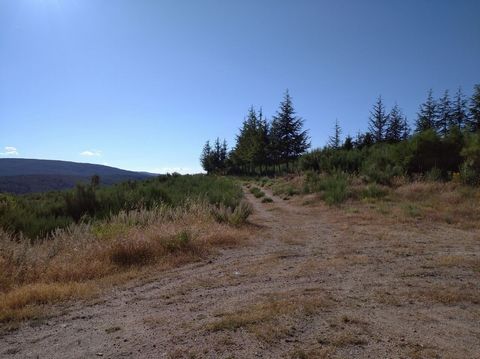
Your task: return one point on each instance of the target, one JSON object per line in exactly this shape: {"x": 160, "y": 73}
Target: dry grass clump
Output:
{"x": 450, "y": 202}
{"x": 23, "y": 302}
{"x": 78, "y": 261}
{"x": 462, "y": 261}
{"x": 272, "y": 318}
{"x": 450, "y": 295}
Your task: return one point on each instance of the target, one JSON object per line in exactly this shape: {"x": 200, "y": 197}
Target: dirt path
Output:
{"x": 311, "y": 284}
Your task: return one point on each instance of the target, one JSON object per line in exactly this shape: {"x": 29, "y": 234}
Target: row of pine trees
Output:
{"x": 264, "y": 146}
{"x": 261, "y": 145}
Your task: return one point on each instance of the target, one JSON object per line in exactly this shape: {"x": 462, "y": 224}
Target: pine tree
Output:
{"x": 348, "y": 144}
{"x": 474, "y": 120}
{"x": 395, "y": 125}
{"x": 223, "y": 156}
{"x": 459, "y": 111}
{"x": 217, "y": 155}
{"x": 427, "y": 114}
{"x": 444, "y": 114}
{"x": 263, "y": 130}
{"x": 290, "y": 139}
{"x": 378, "y": 121}
{"x": 364, "y": 140}
{"x": 405, "y": 129}
{"x": 243, "y": 147}
{"x": 252, "y": 145}
{"x": 206, "y": 158}
{"x": 334, "y": 140}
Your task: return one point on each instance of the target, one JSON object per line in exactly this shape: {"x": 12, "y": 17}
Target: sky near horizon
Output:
{"x": 141, "y": 84}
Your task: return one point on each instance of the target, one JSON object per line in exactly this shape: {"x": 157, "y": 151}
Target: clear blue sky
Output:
{"x": 143, "y": 84}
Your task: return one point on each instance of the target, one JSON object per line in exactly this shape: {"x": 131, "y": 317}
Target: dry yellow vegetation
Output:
{"x": 80, "y": 261}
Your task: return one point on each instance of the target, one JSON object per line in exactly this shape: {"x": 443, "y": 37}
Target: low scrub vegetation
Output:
{"x": 37, "y": 216}
{"x": 80, "y": 259}
{"x": 257, "y": 192}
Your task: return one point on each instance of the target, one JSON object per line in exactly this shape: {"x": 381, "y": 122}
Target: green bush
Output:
{"x": 331, "y": 160}
{"x": 257, "y": 192}
{"x": 383, "y": 163}
{"x": 335, "y": 188}
{"x": 470, "y": 169}
{"x": 435, "y": 174}
{"x": 427, "y": 150}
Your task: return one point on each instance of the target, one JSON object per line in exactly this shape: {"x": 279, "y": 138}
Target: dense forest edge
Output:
{"x": 444, "y": 145}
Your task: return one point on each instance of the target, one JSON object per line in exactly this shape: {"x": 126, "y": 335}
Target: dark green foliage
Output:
{"x": 348, "y": 144}
{"x": 329, "y": 160}
{"x": 382, "y": 163}
{"x": 364, "y": 140}
{"x": 38, "y": 215}
{"x": 333, "y": 187}
{"x": 263, "y": 147}
{"x": 427, "y": 150}
{"x": 334, "y": 140}
{"x": 474, "y": 120}
{"x": 459, "y": 111}
{"x": 444, "y": 115}
{"x": 206, "y": 159}
{"x": 397, "y": 127}
{"x": 470, "y": 169}
{"x": 378, "y": 121}
{"x": 214, "y": 160}
{"x": 427, "y": 114}
{"x": 251, "y": 149}
{"x": 80, "y": 202}
{"x": 288, "y": 138}
{"x": 257, "y": 192}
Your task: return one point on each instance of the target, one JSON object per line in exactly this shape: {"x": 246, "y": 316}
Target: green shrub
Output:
{"x": 469, "y": 175}
{"x": 282, "y": 188}
{"x": 257, "y": 192}
{"x": 470, "y": 169}
{"x": 267, "y": 200}
{"x": 435, "y": 174}
{"x": 335, "y": 188}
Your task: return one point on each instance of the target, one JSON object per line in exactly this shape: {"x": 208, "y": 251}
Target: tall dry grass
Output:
{"x": 82, "y": 259}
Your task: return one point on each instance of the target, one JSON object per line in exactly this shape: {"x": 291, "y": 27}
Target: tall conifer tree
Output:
{"x": 444, "y": 114}
{"x": 427, "y": 114}
{"x": 290, "y": 139}
{"x": 459, "y": 117}
{"x": 334, "y": 141}
{"x": 395, "y": 125}
{"x": 378, "y": 120}
{"x": 474, "y": 120}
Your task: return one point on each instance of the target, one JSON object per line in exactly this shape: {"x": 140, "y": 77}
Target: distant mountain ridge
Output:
{"x": 21, "y": 175}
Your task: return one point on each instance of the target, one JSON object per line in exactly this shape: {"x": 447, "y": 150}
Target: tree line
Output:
{"x": 261, "y": 145}
{"x": 267, "y": 147}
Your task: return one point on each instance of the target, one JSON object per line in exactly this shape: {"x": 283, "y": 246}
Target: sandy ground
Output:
{"x": 315, "y": 282}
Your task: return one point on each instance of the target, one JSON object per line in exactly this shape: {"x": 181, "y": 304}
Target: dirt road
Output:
{"x": 314, "y": 282}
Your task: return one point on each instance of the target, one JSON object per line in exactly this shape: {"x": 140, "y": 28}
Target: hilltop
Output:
{"x": 31, "y": 175}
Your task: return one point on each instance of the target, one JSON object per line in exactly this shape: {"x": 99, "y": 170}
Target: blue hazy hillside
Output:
{"x": 31, "y": 175}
